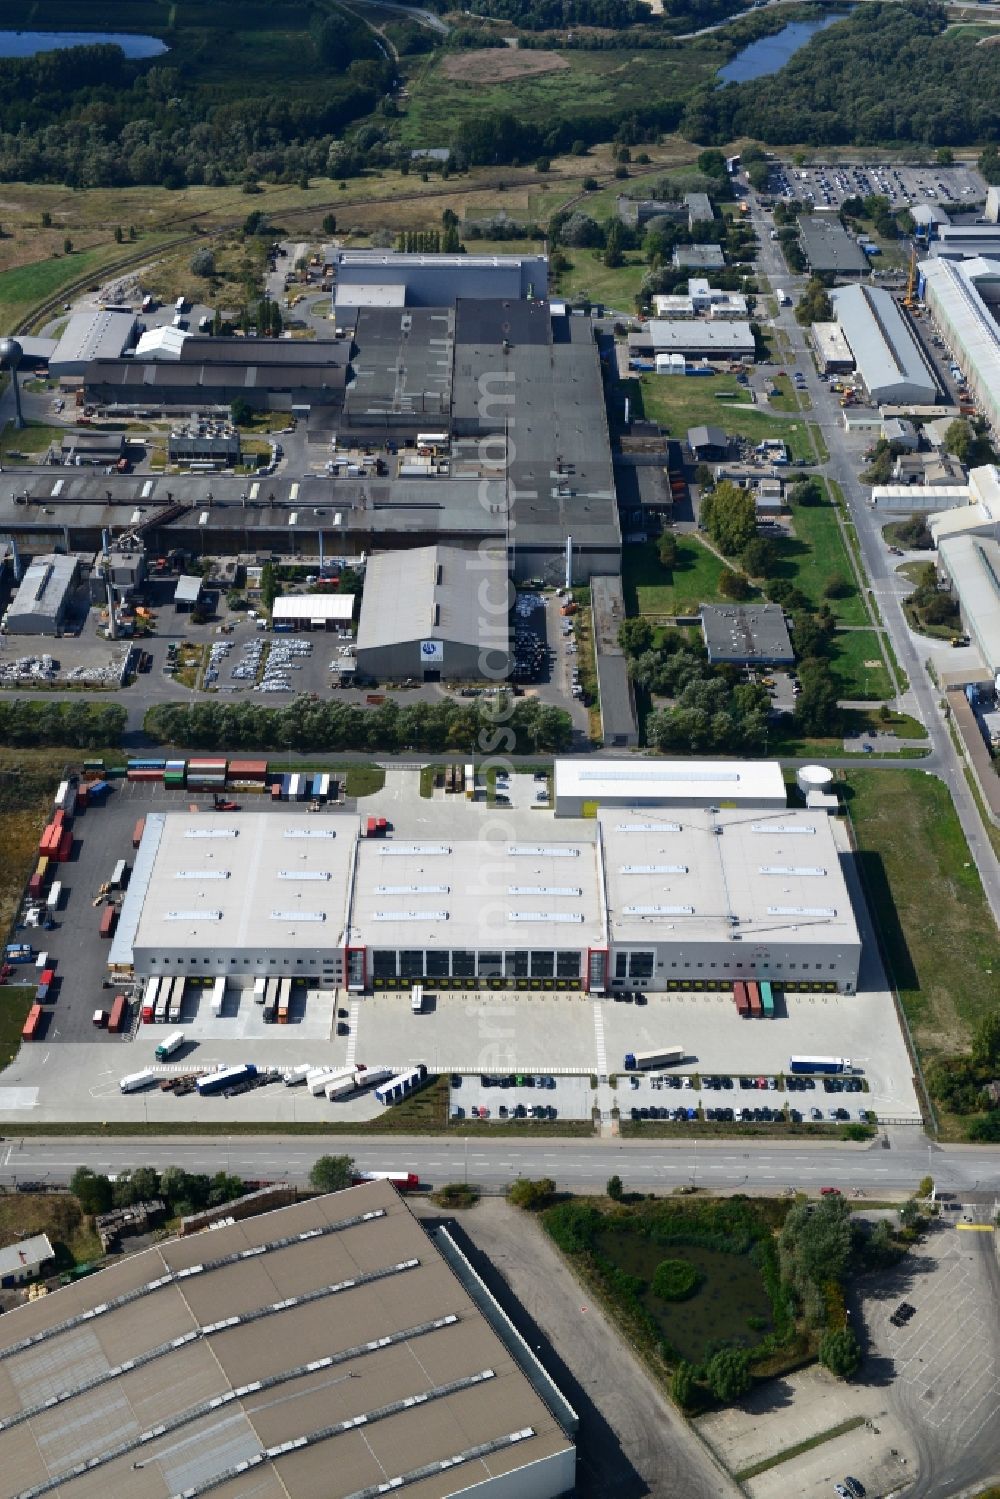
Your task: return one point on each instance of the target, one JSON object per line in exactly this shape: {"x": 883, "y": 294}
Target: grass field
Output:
{"x": 15, "y": 1002}
{"x": 651, "y": 589}
{"x": 937, "y": 929}
{"x": 56, "y": 1214}
{"x": 679, "y": 404}
{"x": 34, "y": 438}
{"x": 851, "y": 650}
{"x": 588, "y": 276}
{"x": 816, "y": 555}
{"x": 24, "y": 286}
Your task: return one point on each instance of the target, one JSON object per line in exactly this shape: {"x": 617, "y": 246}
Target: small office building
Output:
{"x": 187, "y": 594}
{"x": 42, "y": 600}
{"x": 580, "y": 786}
{"x": 23, "y": 1261}
{"x": 746, "y": 635}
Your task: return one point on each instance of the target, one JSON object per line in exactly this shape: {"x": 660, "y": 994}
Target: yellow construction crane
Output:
{"x": 910, "y": 300}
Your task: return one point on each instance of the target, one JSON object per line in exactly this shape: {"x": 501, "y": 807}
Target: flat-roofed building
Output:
{"x": 93, "y": 334}
{"x": 314, "y": 611}
{"x": 699, "y": 257}
{"x": 699, "y": 207}
{"x": 832, "y": 349}
{"x": 963, "y": 297}
{"x": 695, "y": 338}
{"x": 43, "y": 596}
{"x": 828, "y": 247}
{"x": 971, "y": 564}
{"x": 980, "y": 517}
{"x": 581, "y": 786}
{"x": 24, "y": 1260}
{"x": 253, "y": 894}
{"x": 437, "y": 280}
{"x": 746, "y": 634}
{"x": 719, "y": 895}
{"x": 329, "y": 1348}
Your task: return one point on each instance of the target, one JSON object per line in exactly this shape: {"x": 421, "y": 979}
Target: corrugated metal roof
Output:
{"x": 973, "y": 565}
{"x": 884, "y": 350}
{"x": 432, "y": 593}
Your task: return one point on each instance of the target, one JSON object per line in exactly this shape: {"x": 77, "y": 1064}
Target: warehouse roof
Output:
{"x": 708, "y": 257}
{"x": 746, "y": 633}
{"x": 702, "y": 337}
{"x": 828, "y": 246}
{"x": 884, "y": 349}
{"x": 314, "y": 606}
{"x": 434, "y": 593}
{"x": 719, "y": 874}
{"x": 973, "y": 565}
{"x": 953, "y": 287}
{"x": 257, "y": 881}
{"x": 141, "y": 379}
{"x": 93, "y": 335}
{"x": 26, "y": 1255}
{"x": 831, "y": 343}
{"x": 643, "y": 782}
{"x": 323, "y": 1348}
{"x": 981, "y": 514}
{"x": 266, "y": 351}
{"x": 450, "y": 893}
{"x": 188, "y": 589}
{"x": 44, "y": 588}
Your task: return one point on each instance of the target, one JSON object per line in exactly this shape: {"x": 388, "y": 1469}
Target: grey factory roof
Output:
{"x": 697, "y": 336}
{"x": 699, "y": 207}
{"x": 706, "y": 437}
{"x": 973, "y": 565}
{"x": 265, "y": 351}
{"x": 963, "y": 241}
{"x": 749, "y": 878}
{"x": 828, "y": 246}
{"x": 44, "y": 588}
{"x": 929, "y": 213}
{"x": 140, "y": 379}
{"x": 704, "y": 257}
{"x": 403, "y": 364}
{"x": 325, "y": 1348}
{"x": 254, "y": 881}
{"x": 188, "y": 589}
{"x": 746, "y": 633}
{"x": 885, "y": 353}
{"x": 431, "y": 593}
{"x": 93, "y": 335}
{"x": 471, "y": 893}
{"x": 24, "y": 1256}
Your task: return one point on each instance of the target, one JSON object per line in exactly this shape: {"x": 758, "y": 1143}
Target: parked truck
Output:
{"x": 226, "y": 1077}
{"x": 296, "y": 1076}
{"x": 54, "y": 896}
{"x": 119, "y": 1013}
{"x": 784, "y": 300}
{"x": 641, "y": 1061}
{"x": 218, "y": 994}
{"x": 169, "y": 1045}
{"x": 403, "y": 1181}
{"x": 138, "y": 1080}
{"x": 340, "y": 1086}
{"x": 417, "y": 999}
{"x": 820, "y": 1064}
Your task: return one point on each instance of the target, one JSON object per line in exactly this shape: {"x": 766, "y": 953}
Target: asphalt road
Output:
{"x": 575, "y": 1165}
{"x": 923, "y": 696}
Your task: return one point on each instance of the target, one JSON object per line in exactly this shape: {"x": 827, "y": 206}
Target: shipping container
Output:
{"x": 118, "y": 875}
{"x": 819, "y": 1064}
{"x": 228, "y": 1077}
{"x": 42, "y": 994}
{"x": 100, "y": 1018}
{"x": 32, "y": 1024}
{"x": 371, "y": 827}
{"x": 47, "y": 975}
{"x": 753, "y": 995}
{"x": 35, "y": 890}
{"x": 54, "y": 896}
{"x": 138, "y": 831}
{"x": 169, "y": 1045}
{"x": 60, "y": 797}
{"x": 218, "y": 995}
{"x": 137, "y": 1080}
{"x": 666, "y": 1056}
{"x": 108, "y": 918}
{"x": 284, "y": 1000}
{"x": 741, "y": 998}
{"x": 403, "y": 1181}
{"x": 767, "y": 1000}
{"x": 147, "y": 1014}
{"x": 119, "y": 1013}
{"x": 65, "y": 848}
{"x": 18, "y": 952}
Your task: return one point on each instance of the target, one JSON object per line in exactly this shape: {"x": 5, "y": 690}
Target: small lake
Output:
{"x": 731, "y": 1292}
{"x": 28, "y": 43}
{"x": 772, "y": 52}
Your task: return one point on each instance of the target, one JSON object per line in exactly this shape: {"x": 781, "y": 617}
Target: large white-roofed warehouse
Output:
{"x": 582, "y": 785}
{"x": 283, "y": 895}
{"x": 331, "y": 1348}
{"x": 885, "y": 352}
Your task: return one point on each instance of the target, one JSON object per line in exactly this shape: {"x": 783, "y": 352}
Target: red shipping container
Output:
{"x": 48, "y": 974}
{"x": 35, "y": 886}
{"x": 81, "y": 796}
{"x": 117, "y": 1017}
{"x": 34, "y": 1020}
{"x": 276, "y": 792}
{"x": 58, "y": 818}
{"x": 65, "y": 847}
{"x": 372, "y": 827}
{"x": 108, "y": 917}
{"x": 138, "y": 831}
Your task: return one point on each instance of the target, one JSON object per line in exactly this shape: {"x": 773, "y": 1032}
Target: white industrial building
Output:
{"x": 435, "y": 280}
{"x": 436, "y": 613}
{"x": 971, "y": 565}
{"x": 963, "y": 297}
{"x": 43, "y": 596}
{"x": 886, "y": 355}
{"x": 979, "y": 517}
{"x": 695, "y": 338}
{"x": 314, "y": 611}
{"x": 701, "y": 300}
{"x": 661, "y": 896}
{"x": 832, "y": 349}
{"x": 581, "y": 785}
{"x": 23, "y": 1261}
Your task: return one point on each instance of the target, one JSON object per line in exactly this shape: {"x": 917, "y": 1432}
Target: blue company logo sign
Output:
{"x": 432, "y": 650}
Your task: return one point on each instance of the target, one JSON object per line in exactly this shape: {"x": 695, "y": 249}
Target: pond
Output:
{"x": 28, "y": 43}
{"x": 772, "y": 52}
{"x": 731, "y": 1292}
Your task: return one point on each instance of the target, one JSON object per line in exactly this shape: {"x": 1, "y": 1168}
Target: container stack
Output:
{"x": 207, "y": 773}
{"x": 146, "y": 770}
{"x": 173, "y": 773}
{"x": 248, "y": 775}
{"x": 56, "y": 843}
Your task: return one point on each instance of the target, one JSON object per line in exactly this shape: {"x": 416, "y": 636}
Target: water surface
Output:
{"x": 28, "y": 43}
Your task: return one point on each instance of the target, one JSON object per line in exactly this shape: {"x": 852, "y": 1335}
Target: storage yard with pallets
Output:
{"x": 315, "y": 1019}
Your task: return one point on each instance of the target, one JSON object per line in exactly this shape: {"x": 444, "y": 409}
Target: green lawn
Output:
{"x": 24, "y": 287}
{"x": 34, "y": 438}
{"x": 651, "y": 589}
{"x": 936, "y": 926}
{"x": 851, "y": 650}
{"x": 682, "y": 403}
{"x": 588, "y": 276}
{"x": 15, "y": 1002}
{"x": 364, "y": 780}
{"x": 815, "y": 555}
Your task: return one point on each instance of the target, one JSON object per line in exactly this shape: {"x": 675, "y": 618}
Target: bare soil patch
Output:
{"x": 491, "y": 65}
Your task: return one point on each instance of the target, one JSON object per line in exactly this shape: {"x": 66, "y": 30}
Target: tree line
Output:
{"x": 75, "y": 723}
{"x": 503, "y": 726}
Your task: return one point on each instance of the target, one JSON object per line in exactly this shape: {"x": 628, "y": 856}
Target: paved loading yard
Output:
{"x": 495, "y": 1032}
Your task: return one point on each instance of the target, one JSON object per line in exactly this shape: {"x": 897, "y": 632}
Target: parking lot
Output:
{"x": 827, "y": 184}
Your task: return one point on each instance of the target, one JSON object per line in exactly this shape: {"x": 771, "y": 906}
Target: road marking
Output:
{"x": 352, "y": 1043}
{"x": 974, "y": 1228}
{"x": 602, "y": 1055}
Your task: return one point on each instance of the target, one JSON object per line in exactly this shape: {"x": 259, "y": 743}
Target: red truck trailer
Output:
{"x": 138, "y": 831}
{"x": 116, "y": 1020}
{"x": 108, "y": 918}
{"x": 756, "y": 1005}
{"x": 741, "y": 998}
{"x": 32, "y": 1024}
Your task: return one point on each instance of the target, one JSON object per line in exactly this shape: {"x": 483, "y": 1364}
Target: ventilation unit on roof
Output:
{"x": 193, "y": 916}
{"x": 574, "y": 917}
{"x": 309, "y": 833}
{"x": 544, "y": 890}
{"x": 659, "y": 910}
{"x": 647, "y": 827}
{"x": 801, "y": 911}
{"x": 800, "y": 869}
{"x": 298, "y": 915}
{"x": 542, "y": 851}
{"x": 412, "y": 889}
{"x": 409, "y": 916}
{"x": 413, "y": 850}
{"x": 211, "y": 832}
{"x": 781, "y": 827}
{"x": 303, "y": 874}
{"x": 653, "y": 869}
{"x": 201, "y": 874}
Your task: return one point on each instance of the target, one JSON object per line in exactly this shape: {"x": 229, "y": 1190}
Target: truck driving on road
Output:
{"x": 169, "y": 1045}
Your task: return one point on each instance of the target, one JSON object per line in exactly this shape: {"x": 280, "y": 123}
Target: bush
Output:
{"x": 331, "y": 1173}
{"x": 614, "y": 1188}
{"x": 682, "y": 1385}
{"x": 531, "y": 1194}
{"x": 839, "y": 1352}
{"x": 203, "y": 263}
{"x": 92, "y": 1191}
{"x": 728, "y": 1373}
{"x": 734, "y": 585}
{"x": 676, "y": 1280}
